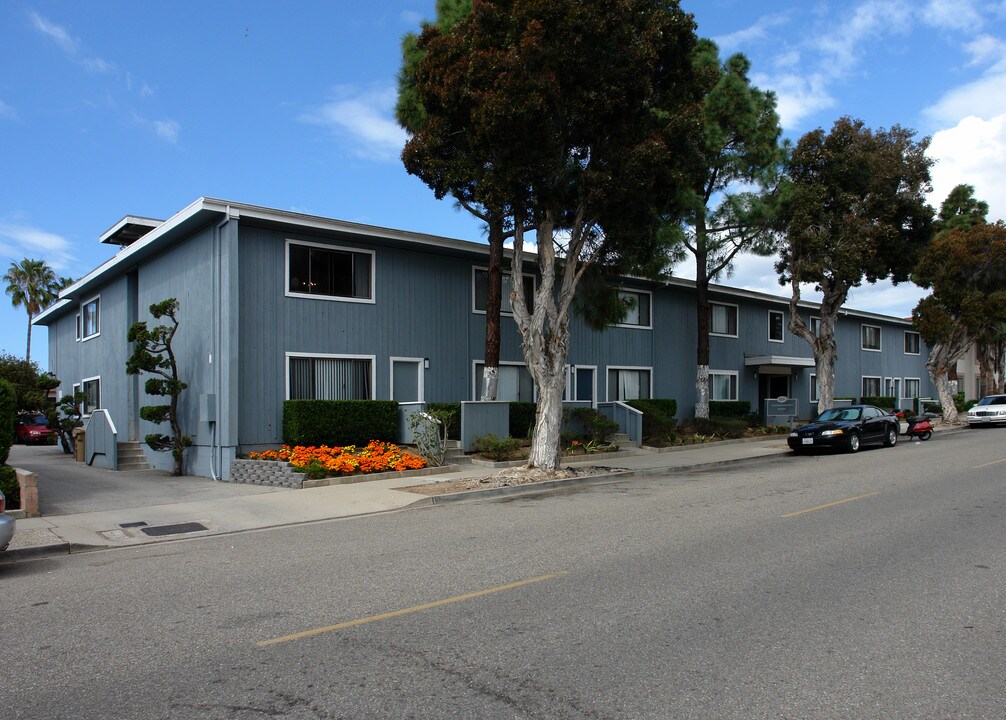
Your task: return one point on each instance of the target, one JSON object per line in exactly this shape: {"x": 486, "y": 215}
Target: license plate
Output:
{"x": 808, "y": 441}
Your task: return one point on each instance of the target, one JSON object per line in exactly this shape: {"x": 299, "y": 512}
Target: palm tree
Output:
{"x": 34, "y": 285}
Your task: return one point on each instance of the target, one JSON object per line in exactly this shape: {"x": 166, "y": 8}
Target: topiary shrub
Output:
{"x": 496, "y": 448}
{"x": 339, "y": 422}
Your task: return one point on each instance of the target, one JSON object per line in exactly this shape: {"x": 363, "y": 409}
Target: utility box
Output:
{"x": 78, "y": 444}
{"x": 207, "y": 408}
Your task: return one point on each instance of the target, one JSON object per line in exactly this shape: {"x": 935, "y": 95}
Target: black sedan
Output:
{"x": 846, "y": 428}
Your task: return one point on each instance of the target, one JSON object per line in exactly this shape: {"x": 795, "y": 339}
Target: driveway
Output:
{"x": 66, "y": 487}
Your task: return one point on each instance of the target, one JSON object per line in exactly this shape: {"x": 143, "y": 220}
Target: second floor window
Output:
{"x": 912, "y": 344}
{"x": 871, "y": 337}
{"x": 482, "y": 291}
{"x": 90, "y": 318}
{"x": 638, "y": 308}
{"x": 775, "y": 326}
{"x": 723, "y": 319}
{"x": 330, "y": 272}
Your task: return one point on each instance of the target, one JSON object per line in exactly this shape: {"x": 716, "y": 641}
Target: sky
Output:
{"x": 111, "y": 108}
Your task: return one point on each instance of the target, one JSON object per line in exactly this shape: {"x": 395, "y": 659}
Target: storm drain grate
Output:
{"x": 132, "y": 524}
{"x": 174, "y": 529}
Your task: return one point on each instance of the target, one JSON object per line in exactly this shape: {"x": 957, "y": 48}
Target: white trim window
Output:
{"x": 581, "y": 384}
{"x": 480, "y": 291}
{"x": 723, "y": 384}
{"x": 814, "y": 389}
{"x": 316, "y": 376}
{"x": 90, "y": 318}
{"x": 722, "y": 319}
{"x": 328, "y": 272}
{"x": 76, "y": 321}
{"x": 913, "y": 387}
{"x": 913, "y": 343}
{"x": 892, "y": 388}
{"x": 73, "y": 391}
{"x": 776, "y": 323}
{"x": 815, "y": 326}
{"x": 92, "y": 394}
{"x": 629, "y": 383}
{"x": 870, "y": 338}
{"x": 871, "y": 386}
{"x": 513, "y": 384}
{"x": 638, "y": 304}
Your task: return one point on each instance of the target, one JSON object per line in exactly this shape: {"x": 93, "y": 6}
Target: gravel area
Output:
{"x": 506, "y": 478}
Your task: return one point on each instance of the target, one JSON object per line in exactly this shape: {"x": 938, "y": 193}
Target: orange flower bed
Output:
{"x": 375, "y": 457}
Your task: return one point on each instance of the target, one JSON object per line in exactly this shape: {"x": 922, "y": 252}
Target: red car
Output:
{"x": 32, "y": 429}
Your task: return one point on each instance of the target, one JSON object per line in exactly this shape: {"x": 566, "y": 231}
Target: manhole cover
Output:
{"x": 174, "y": 529}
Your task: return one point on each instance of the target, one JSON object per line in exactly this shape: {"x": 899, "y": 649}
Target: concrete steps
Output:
{"x": 455, "y": 455}
{"x": 131, "y": 456}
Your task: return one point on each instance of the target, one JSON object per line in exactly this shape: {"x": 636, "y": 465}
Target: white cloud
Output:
{"x": 972, "y": 152}
{"x": 7, "y": 112}
{"x": 953, "y": 14}
{"x": 733, "y": 42}
{"x": 796, "y": 96}
{"x": 165, "y": 129}
{"x": 364, "y": 118}
{"x": 69, "y": 44}
{"x": 20, "y": 241}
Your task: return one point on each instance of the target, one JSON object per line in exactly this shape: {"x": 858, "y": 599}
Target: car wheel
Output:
{"x": 853, "y": 442}
{"x": 891, "y": 438}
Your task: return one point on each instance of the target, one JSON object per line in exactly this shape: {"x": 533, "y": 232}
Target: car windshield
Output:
{"x": 38, "y": 420}
{"x": 993, "y": 400}
{"x": 833, "y": 414}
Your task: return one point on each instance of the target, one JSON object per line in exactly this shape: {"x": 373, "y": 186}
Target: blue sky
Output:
{"x": 111, "y": 108}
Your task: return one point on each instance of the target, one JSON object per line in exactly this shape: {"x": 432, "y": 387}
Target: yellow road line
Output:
{"x": 406, "y": 611}
{"x": 994, "y": 462}
{"x": 828, "y": 505}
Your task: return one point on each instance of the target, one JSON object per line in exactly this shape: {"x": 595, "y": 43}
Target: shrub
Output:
{"x": 658, "y": 417}
{"x": 8, "y": 406}
{"x": 454, "y": 426}
{"x": 10, "y": 488}
{"x": 729, "y": 409}
{"x": 319, "y": 462}
{"x": 596, "y": 426}
{"x": 495, "y": 448}
{"x": 881, "y": 401}
{"x": 339, "y": 422}
{"x": 522, "y": 419}
{"x": 730, "y": 427}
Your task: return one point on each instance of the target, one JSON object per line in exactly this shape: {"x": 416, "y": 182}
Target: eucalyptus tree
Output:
{"x": 565, "y": 115}
{"x": 854, "y": 211}
{"x": 965, "y": 270}
{"x": 32, "y": 284}
{"x": 729, "y": 204}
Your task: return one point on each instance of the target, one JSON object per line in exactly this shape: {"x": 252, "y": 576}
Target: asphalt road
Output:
{"x": 867, "y": 586}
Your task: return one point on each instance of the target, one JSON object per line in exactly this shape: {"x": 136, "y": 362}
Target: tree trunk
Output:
{"x": 545, "y": 451}
{"x": 942, "y": 358}
{"x": 494, "y": 298}
{"x": 702, "y": 334}
{"x": 823, "y": 346}
{"x": 27, "y": 352}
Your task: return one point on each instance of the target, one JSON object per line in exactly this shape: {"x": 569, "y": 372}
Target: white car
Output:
{"x": 6, "y": 525}
{"x": 990, "y": 410}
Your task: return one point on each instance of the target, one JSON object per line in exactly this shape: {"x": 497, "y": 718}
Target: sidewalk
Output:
{"x": 61, "y": 534}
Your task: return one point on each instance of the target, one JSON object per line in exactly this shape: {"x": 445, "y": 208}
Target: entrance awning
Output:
{"x": 778, "y": 361}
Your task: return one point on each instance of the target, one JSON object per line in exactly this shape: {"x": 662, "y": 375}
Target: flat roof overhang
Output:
{"x": 778, "y": 361}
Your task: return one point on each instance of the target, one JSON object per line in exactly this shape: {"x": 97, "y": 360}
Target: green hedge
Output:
{"x": 730, "y": 409}
{"x": 454, "y": 427}
{"x": 339, "y": 422}
{"x": 522, "y": 419}
{"x": 10, "y": 488}
{"x": 8, "y": 405}
{"x": 881, "y": 401}
{"x": 658, "y": 416}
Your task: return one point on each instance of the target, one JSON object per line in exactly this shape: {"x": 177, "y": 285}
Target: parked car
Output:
{"x": 990, "y": 410}
{"x": 32, "y": 429}
{"x": 846, "y": 428}
{"x": 6, "y": 525}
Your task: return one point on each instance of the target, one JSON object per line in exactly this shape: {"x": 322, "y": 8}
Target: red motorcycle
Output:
{"x": 919, "y": 427}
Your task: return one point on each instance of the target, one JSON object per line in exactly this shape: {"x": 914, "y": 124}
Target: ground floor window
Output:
{"x": 92, "y": 395}
{"x": 581, "y": 386}
{"x": 871, "y": 387}
{"x": 722, "y": 385}
{"x": 912, "y": 387}
{"x": 814, "y": 390}
{"x": 513, "y": 384}
{"x": 330, "y": 378}
{"x": 628, "y": 383}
